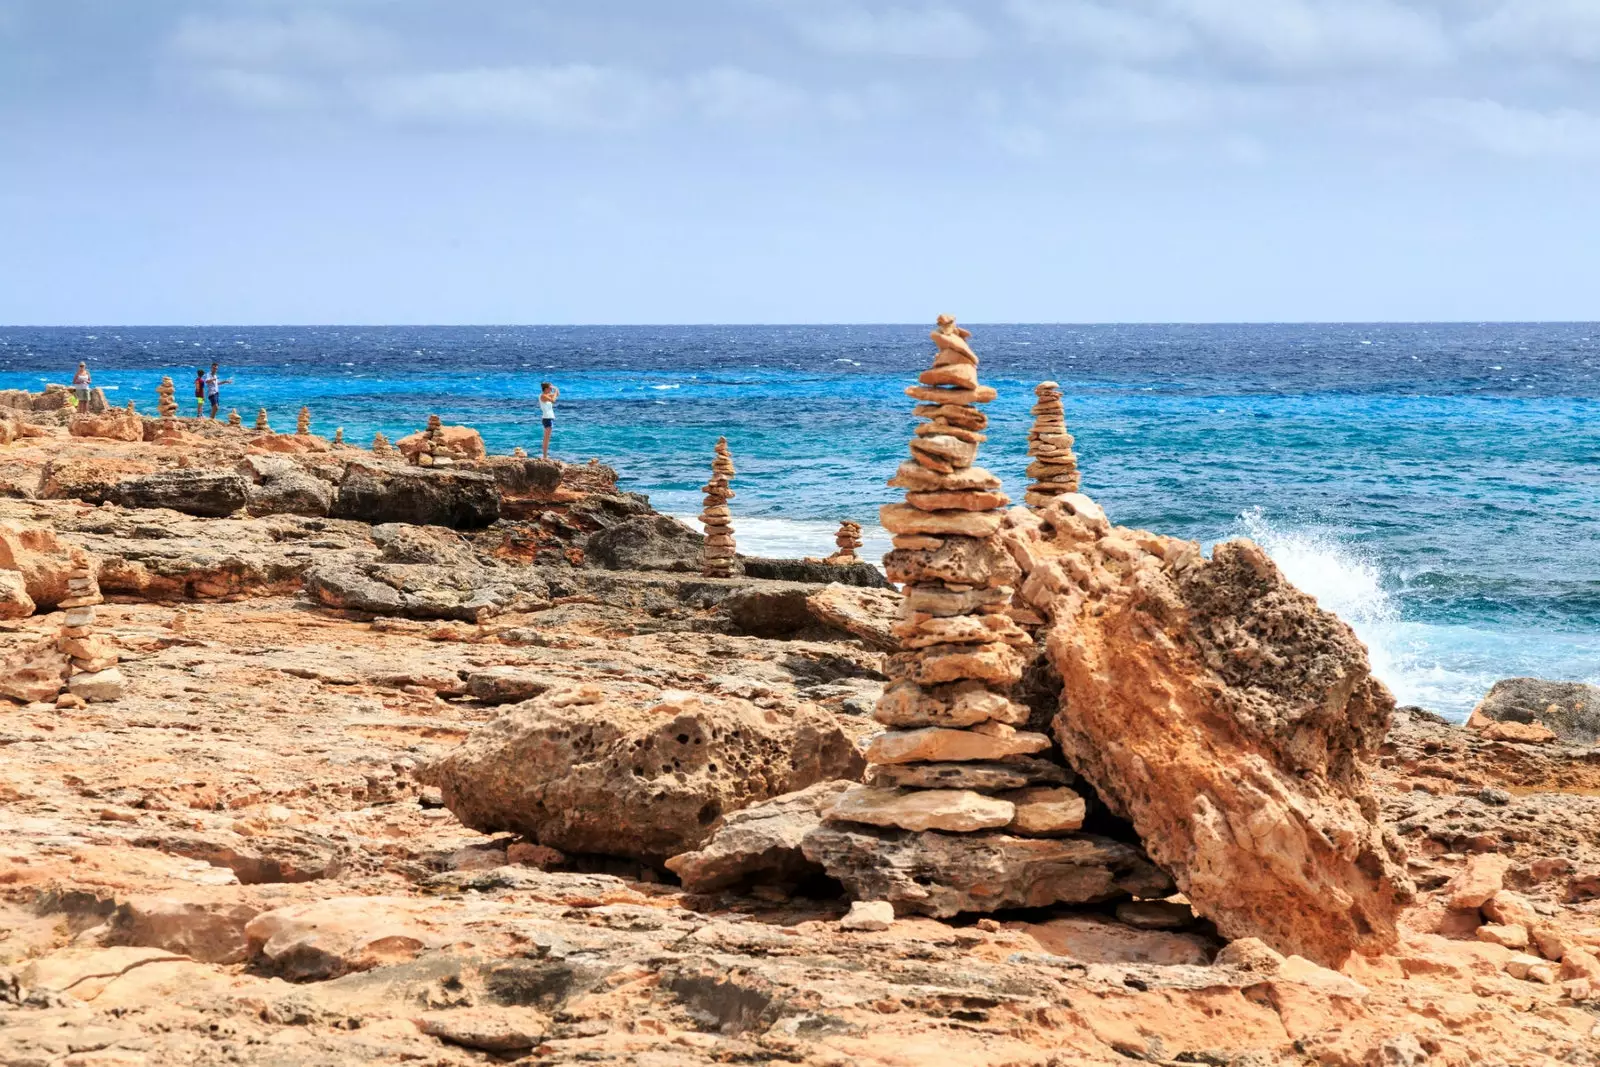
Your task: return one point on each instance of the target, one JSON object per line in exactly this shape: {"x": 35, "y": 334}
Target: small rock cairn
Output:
{"x": 302, "y": 425}
{"x": 338, "y": 435}
{"x": 94, "y": 661}
{"x": 848, "y": 539}
{"x": 717, "y": 558}
{"x": 261, "y": 421}
{"x": 380, "y": 445}
{"x": 953, "y": 759}
{"x": 233, "y": 417}
{"x": 133, "y": 407}
{"x": 166, "y": 404}
{"x": 519, "y": 452}
{"x": 1054, "y": 469}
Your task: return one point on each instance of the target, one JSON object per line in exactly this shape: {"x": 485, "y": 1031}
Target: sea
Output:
{"x": 1435, "y": 485}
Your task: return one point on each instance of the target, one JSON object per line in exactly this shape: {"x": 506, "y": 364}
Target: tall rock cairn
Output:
{"x": 261, "y": 421}
{"x": 948, "y": 707}
{"x": 380, "y": 445}
{"x": 94, "y": 660}
{"x": 233, "y": 417}
{"x": 848, "y": 539}
{"x": 717, "y": 559}
{"x": 302, "y": 425}
{"x": 166, "y": 403}
{"x": 1054, "y": 469}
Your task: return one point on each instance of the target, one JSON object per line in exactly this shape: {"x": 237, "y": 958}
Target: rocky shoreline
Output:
{"x": 465, "y": 761}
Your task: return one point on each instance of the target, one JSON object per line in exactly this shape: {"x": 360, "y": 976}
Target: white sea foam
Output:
{"x": 1443, "y": 668}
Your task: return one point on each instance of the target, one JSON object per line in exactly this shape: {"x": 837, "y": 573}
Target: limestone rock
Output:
{"x": 1482, "y": 877}
{"x": 460, "y": 439}
{"x": 868, "y": 916}
{"x": 32, "y": 670}
{"x": 117, "y": 424}
{"x": 207, "y": 493}
{"x": 1045, "y": 812}
{"x": 717, "y": 552}
{"x": 291, "y": 492}
{"x": 943, "y": 874}
{"x": 1201, "y": 698}
{"x": 462, "y": 500}
{"x": 935, "y": 745}
{"x": 866, "y": 613}
{"x": 758, "y": 844}
{"x": 1014, "y": 772}
{"x": 488, "y": 1029}
{"x": 645, "y": 543}
{"x": 1570, "y": 709}
{"x": 624, "y": 777}
{"x": 42, "y": 559}
{"x": 507, "y": 685}
{"x": 958, "y": 810}
{"x": 15, "y": 603}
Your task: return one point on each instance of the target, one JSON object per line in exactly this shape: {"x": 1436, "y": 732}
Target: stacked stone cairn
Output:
{"x": 302, "y": 425}
{"x": 166, "y": 403}
{"x": 338, "y": 435}
{"x": 381, "y": 446}
{"x": 520, "y": 452}
{"x": 848, "y": 539}
{"x": 94, "y": 674}
{"x": 233, "y": 417}
{"x": 717, "y": 557}
{"x": 261, "y": 421}
{"x": 957, "y": 813}
{"x": 133, "y": 407}
{"x": 1054, "y": 469}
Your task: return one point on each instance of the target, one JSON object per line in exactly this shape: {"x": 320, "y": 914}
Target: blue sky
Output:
{"x": 398, "y": 161}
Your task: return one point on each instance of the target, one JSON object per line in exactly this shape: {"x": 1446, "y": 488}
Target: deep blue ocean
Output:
{"x": 1436, "y": 485}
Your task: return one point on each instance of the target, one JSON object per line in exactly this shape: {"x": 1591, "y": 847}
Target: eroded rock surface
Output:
{"x": 1230, "y": 720}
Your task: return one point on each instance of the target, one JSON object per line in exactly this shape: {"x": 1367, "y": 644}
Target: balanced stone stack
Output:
{"x": 338, "y": 435}
{"x": 381, "y": 446}
{"x": 233, "y": 418}
{"x": 261, "y": 421}
{"x": 958, "y": 813}
{"x": 302, "y": 425}
{"x": 94, "y": 661}
{"x": 1054, "y": 469}
{"x": 848, "y": 539}
{"x": 166, "y": 403}
{"x": 520, "y": 452}
{"x": 717, "y": 558}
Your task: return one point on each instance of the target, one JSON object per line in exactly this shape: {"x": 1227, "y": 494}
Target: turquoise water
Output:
{"x": 1437, "y": 485}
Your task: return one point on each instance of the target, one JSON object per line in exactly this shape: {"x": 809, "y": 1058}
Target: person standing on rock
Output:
{"x": 80, "y": 387}
{"x": 548, "y": 395}
{"x": 199, "y": 392}
{"x": 214, "y": 389}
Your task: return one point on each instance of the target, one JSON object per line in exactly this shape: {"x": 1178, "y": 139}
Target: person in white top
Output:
{"x": 548, "y": 395}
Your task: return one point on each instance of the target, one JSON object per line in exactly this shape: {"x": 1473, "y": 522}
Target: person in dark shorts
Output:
{"x": 214, "y": 386}
{"x": 548, "y": 395}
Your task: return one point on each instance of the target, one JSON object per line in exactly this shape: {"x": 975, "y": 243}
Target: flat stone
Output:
{"x": 1046, "y": 811}
{"x": 998, "y": 665}
{"x": 959, "y": 374}
{"x": 964, "y": 704}
{"x": 98, "y": 686}
{"x": 983, "y": 394}
{"x": 868, "y": 916}
{"x": 937, "y": 745}
{"x": 937, "y": 600}
{"x": 1156, "y": 914}
{"x": 905, "y": 519}
{"x": 1016, "y": 772}
{"x": 943, "y": 449}
{"x": 942, "y": 875}
{"x": 958, "y": 500}
{"x": 923, "y": 632}
{"x": 955, "y": 414}
{"x": 1506, "y": 936}
{"x": 915, "y": 477}
{"x": 956, "y": 810}
{"x": 978, "y": 562}
{"x": 80, "y": 617}
{"x": 487, "y": 1029}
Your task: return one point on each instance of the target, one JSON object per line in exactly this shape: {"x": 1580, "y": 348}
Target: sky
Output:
{"x": 634, "y": 161}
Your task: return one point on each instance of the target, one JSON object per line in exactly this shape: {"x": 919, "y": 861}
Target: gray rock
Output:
{"x": 292, "y": 492}
{"x": 814, "y": 572}
{"x": 645, "y": 543}
{"x": 98, "y": 687}
{"x": 506, "y": 685}
{"x": 942, "y": 875}
{"x": 1570, "y": 709}
{"x": 207, "y": 493}
{"x": 761, "y": 843}
{"x": 424, "y": 496}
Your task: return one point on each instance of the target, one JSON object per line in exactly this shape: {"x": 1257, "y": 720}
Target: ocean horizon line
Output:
{"x": 1172, "y": 323}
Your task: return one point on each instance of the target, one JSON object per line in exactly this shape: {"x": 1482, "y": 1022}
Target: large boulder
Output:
{"x": 420, "y": 590}
{"x": 208, "y": 493}
{"x": 1569, "y": 709}
{"x": 116, "y": 424}
{"x": 645, "y": 543}
{"x": 32, "y": 669}
{"x": 420, "y": 495}
{"x": 1229, "y": 718}
{"x": 94, "y": 481}
{"x": 814, "y": 571}
{"x": 290, "y": 492}
{"x": 15, "y": 603}
{"x": 588, "y": 772}
{"x": 462, "y": 439}
{"x": 41, "y": 558}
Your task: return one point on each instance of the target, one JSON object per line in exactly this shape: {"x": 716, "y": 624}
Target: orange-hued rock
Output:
{"x": 44, "y": 562}
{"x": 463, "y": 439}
{"x": 116, "y": 424}
{"x": 1230, "y": 719}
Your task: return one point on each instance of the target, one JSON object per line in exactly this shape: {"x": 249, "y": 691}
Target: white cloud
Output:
{"x": 931, "y": 32}
{"x": 1522, "y": 133}
{"x": 728, "y": 93}
{"x": 575, "y": 96}
{"x": 1552, "y": 29}
{"x": 301, "y": 38}
{"x": 1118, "y": 33}
{"x": 1119, "y": 96}
{"x": 257, "y": 89}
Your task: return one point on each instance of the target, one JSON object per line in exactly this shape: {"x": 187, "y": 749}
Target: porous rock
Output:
{"x": 647, "y": 779}
{"x": 1230, "y": 719}
{"x": 942, "y": 874}
{"x": 645, "y": 543}
{"x": 207, "y": 493}
{"x": 377, "y": 493}
{"x": 1569, "y": 709}
{"x": 758, "y": 844}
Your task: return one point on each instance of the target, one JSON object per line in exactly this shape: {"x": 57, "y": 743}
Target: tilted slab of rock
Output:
{"x": 760, "y": 843}
{"x": 958, "y": 810}
{"x": 943, "y": 874}
{"x": 1228, "y": 717}
{"x": 583, "y": 772}
{"x": 1015, "y": 772}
